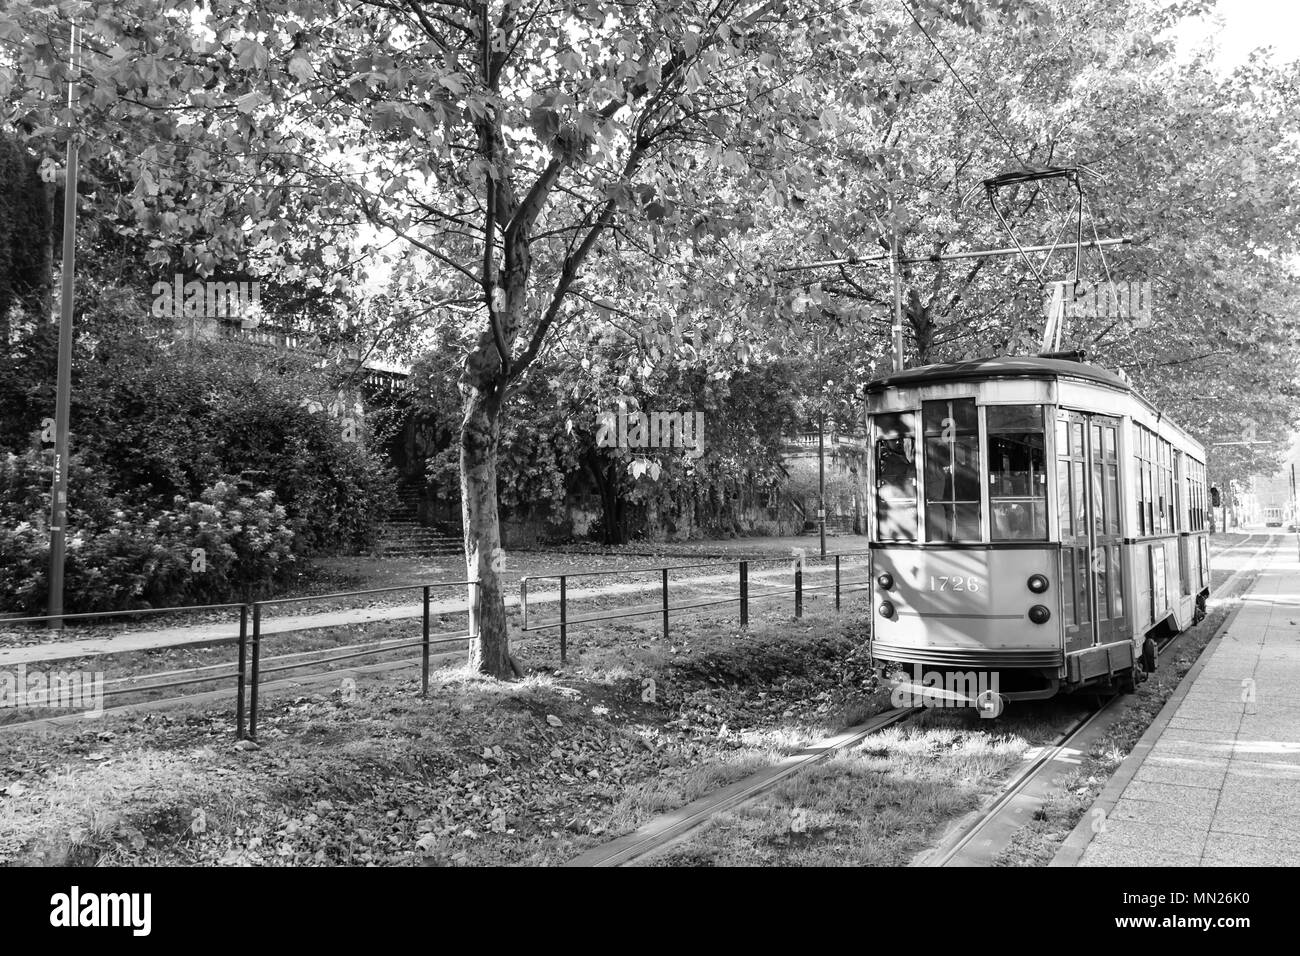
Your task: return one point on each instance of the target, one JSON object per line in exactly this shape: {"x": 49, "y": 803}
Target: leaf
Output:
{"x": 300, "y": 67}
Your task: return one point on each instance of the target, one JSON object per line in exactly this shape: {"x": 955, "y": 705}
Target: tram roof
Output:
{"x": 1005, "y": 366}
{"x": 1018, "y": 366}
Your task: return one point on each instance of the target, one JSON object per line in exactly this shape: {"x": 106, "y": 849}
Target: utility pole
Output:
{"x": 821, "y": 476}
{"x": 821, "y": 448}
{"x": 1295, "y": 514}
{"x": 63, "y": 394}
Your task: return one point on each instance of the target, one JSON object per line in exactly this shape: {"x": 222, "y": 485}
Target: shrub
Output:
{"x": 225, "y": 545}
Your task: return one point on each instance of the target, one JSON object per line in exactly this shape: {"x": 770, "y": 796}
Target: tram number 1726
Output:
{"x": 954, "y": 583}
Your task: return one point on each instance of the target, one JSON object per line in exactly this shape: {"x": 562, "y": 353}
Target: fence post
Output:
{"x": 837, "y": 582}
{"x": 243, "y": 663}
{"x": 798, "y": 590}
{"x": 564, "y": 617}
{"x": 744, "y": 593}
{"x": 424, "y": 648}
{"x": 257, "y": 653}
{"x": 665, "y": 590}
{"x": 523, "y": 601}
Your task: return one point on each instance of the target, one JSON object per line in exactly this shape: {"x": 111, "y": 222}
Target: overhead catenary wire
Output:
{"x": 957, "y": 76}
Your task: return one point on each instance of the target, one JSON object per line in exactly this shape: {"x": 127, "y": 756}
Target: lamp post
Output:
{"x": 63, "y": 392}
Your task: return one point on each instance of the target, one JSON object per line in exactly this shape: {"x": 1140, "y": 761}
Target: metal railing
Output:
{"x": 425, "y": 643}
{"x": 248, "y": 671}
{"x": 138, "y": 612}
{"x": 663, "y": 608}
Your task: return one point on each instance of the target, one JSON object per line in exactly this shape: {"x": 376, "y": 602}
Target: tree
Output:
{"x": 24, "y": 236}
{"x": 1195, "y": 166}
{"x": 523, "y": 146}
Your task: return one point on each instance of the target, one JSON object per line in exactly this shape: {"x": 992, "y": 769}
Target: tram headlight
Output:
{"x": 885, "y": 580}
{"x": 1037, "y": 583}
{"x": 887, "y": 609}
{"x": 1039, "y": 614}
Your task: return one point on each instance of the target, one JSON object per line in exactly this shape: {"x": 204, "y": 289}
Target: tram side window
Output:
{"x": 952, "y": 470}
{"x": 1017, "y": 472}
{"x": 1200, "y": 496}
{"x": 1168, "y": 487}
{"x": 1147, "y": 471}
{"x": 896, "y": 477}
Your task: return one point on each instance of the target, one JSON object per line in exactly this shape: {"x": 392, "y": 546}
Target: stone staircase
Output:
{"x": 403, "y": 535}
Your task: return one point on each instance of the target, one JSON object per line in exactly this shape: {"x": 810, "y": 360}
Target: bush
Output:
{"x": 222, "y": 448}
{"x": 224, "y": 545}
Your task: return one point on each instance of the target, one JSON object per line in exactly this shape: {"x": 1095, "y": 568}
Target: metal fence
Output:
{"x": 664, "y": 607}
{"x": 425, "y": 643}
{"x": 120, "y": 684}
{"x": 249, "y": 670}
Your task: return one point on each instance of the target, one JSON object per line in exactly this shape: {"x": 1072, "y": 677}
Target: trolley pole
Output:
{"x": 63, "y": 387}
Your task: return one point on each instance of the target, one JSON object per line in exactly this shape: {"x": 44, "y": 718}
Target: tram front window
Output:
{"x": 1017, "y": 472}
{"x": 896, "y": 477}
{"x": 952, "y": 470}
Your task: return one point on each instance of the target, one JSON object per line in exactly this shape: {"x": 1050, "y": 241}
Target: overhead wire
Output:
{"x": 957, "y": 76}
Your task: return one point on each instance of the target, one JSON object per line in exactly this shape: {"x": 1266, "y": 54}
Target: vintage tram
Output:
{"x": 1034, "y": 521}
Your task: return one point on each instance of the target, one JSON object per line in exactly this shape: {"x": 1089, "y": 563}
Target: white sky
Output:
{"x": 1247, "y": 25}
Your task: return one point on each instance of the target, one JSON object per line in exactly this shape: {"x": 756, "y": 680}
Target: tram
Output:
{"x": 1034, "y": 521}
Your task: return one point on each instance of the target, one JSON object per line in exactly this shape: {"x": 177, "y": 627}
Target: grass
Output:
{"x": 879, "y": 803}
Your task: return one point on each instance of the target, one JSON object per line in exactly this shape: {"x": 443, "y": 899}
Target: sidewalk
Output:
{"x": 1215, "y": 781}
{"x": 199, "y": 634}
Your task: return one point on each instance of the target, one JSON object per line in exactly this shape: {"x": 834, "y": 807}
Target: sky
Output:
{"x": 1247, "y": 25}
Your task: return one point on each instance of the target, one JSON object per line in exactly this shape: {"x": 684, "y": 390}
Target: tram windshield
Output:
{"x": 896, "y": 477}
{"x": 1017, "y": 473}
{"x": 1005, "y": 453}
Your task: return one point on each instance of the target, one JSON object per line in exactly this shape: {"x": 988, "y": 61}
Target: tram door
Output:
{"x": 1087, "y": 481}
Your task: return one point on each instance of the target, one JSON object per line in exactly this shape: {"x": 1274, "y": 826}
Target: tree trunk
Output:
{"x": 921, "y": 318}
{"x": 612, "y": 522}
{"x": 484, "y": 560}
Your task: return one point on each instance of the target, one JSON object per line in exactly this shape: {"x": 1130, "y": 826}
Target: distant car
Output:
{"x": 1291, "y": 528}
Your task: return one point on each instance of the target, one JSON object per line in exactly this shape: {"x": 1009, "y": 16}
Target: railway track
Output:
{"x": 981, "y": 837}
{"x": 671, "y": 828}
